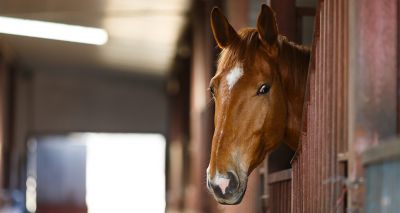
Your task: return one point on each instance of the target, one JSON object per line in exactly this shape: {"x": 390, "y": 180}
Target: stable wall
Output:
{"x": 57, "y": 102}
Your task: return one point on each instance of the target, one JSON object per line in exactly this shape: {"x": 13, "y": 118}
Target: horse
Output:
{"x": 258, "y": 90}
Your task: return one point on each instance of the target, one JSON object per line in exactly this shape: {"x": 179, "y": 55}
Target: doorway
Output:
{"x": 96, "y": 173}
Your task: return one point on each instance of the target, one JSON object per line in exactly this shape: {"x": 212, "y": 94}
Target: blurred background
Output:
{"x": 104, "y": 104}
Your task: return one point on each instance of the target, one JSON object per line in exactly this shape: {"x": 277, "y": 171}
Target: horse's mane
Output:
{"x": 293, "y": 68}
{"x": 294, "y": 60}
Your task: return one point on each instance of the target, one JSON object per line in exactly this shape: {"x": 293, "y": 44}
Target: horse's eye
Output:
{"x": 264, "y": 89}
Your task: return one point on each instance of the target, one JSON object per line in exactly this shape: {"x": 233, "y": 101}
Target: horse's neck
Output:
{"x": 293, "y": 65}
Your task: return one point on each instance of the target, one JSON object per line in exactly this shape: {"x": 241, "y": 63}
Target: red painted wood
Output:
{"x": 316, "y": 169}
{"x": 374, "y": 83}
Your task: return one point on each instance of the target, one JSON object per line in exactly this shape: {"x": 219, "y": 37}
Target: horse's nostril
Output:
{"x": 233, "y": 183}
{"x": 217, "y": 190}
{"x": 225, "y": 186}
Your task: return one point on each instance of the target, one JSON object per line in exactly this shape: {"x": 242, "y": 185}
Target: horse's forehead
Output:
{"x": 236, "y": 70}
{"x": 252, "y": 70}
{"x": 250, "y": 60}
{"x": 233, "y": 75}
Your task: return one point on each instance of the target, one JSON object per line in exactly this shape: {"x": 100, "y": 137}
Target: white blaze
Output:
{"x": 234, "y": 75}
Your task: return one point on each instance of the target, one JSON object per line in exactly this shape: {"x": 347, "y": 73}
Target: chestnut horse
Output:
{"x": 259, "y": 90}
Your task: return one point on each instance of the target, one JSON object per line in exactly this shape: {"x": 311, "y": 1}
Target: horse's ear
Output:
{"x": 224, "y": 33}
{"x": 267, "y": 27}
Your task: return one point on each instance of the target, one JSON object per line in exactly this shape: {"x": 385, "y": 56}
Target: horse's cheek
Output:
{"x": 276, "y": 123}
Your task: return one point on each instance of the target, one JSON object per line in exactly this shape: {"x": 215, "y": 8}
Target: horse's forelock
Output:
{"x": 241, "y": 51}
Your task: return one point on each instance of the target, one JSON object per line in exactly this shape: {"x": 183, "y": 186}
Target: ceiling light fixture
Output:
{"x": 55, "y": 31}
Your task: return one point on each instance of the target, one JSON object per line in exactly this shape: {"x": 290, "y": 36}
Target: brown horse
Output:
{"x": 259, "y": 90}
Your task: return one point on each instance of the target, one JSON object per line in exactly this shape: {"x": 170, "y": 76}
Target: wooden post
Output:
{"x": 178, "y": 89}
{"x": 286, "y": 17}
{"x": 197, "y": 198}
{"x": 2, "y": 114}
{"x": 5, "y": 61}
{"x": 373, "y": 84}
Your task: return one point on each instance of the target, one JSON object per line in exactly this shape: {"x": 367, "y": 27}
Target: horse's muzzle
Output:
{"x": 225, "y": 188}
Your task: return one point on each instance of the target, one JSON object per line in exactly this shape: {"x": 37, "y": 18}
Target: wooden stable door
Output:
{"x": 314, "y": 183}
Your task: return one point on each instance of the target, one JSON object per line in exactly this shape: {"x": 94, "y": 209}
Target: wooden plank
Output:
{"x": 197, "y": 198}
{"x": 2, "y": 114}
{"x": 383, "y": 152}
{"x": 7, "y": 58}
{"x": 280, "y": 176}
{"x": 319, "y": 161}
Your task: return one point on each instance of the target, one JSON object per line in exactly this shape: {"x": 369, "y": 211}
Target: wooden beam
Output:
{"x": 280, "y": 176}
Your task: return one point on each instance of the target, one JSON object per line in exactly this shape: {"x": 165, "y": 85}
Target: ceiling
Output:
{"x": 143, "y": 34}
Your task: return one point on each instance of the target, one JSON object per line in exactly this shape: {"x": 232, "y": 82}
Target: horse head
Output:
{"x": 251, "y": 107}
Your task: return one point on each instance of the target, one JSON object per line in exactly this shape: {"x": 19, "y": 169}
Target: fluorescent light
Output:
{"x": 55, "y": 31}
